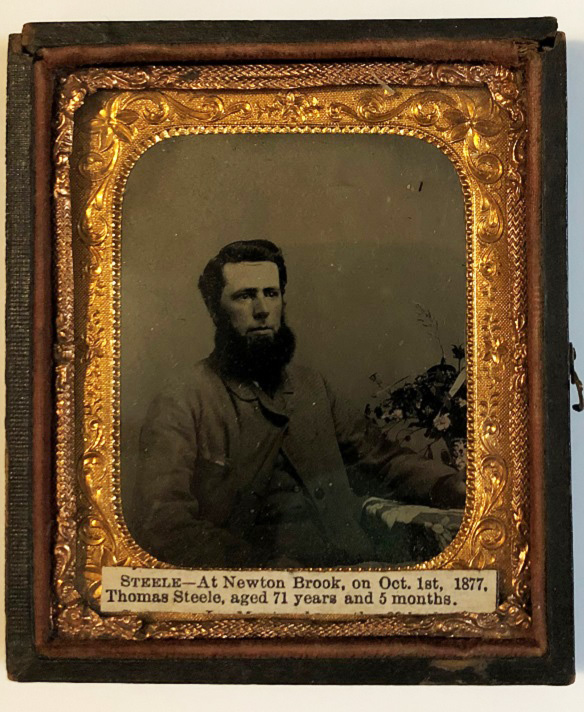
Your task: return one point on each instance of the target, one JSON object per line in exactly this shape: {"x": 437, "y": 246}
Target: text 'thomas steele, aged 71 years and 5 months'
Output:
{"x": 297, "y": 592}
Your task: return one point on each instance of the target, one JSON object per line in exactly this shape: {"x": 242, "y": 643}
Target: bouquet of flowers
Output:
{"x": 433, "y": 402}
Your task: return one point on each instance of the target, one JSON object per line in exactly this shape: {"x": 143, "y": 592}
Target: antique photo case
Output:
{"x": 296, "y": 306}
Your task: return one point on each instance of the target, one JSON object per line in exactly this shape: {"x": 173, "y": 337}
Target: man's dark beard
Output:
{"x": 260, "y": 357}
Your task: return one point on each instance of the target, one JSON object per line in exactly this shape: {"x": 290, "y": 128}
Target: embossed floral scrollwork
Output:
{"x": 474, "y": 123}
{"x": 93, "y": 164}
{"x": 208, "y": 108}
{"x": 292, "y": 106}
{"x": 520, "y": 351}
{"x": 496, "y": 473}
{"x": 491, "y": 222}
{"x": 489, "y": 431}
{"x": 113, "y": 122}
{"x": 379, "y": 106}
{"x": 489, "y": 268}
{"x": 514, "y": 614}
{"x": 95, "y": 535}
{"x": 426, "y": 109}
{"x": 65, "y": 347}
{"x": 521, "y": 551}
{"x": 489, "y": 536}
{"x": 491, "y": 533}
{"x": 92, "y": 227}
{"x": 494, "y": 347}
{"x": 482, "y": 132}
{"x": 475, "y": 120}
{"x": 153, "y": 107}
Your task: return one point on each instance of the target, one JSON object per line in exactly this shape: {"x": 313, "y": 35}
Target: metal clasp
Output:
{"x": 578, "y": 407}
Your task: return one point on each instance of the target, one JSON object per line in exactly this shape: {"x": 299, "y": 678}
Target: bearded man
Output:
{"x": 255, "y": 462}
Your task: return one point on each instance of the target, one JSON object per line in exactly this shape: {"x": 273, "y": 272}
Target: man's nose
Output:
{"x": 260, "y": 308}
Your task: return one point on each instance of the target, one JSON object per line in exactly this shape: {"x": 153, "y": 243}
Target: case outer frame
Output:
{"x": 36, "y": 57}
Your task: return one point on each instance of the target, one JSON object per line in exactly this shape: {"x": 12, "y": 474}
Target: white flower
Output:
{"x": 459, "y": 454}
{"x": 442, "y": 422}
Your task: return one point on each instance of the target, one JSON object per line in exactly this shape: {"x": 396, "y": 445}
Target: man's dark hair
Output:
{"x": 211, "y": 282}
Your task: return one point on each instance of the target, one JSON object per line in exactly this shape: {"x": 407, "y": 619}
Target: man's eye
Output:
{"x": 272, "y": 293}
{"x": 242, "y": 297}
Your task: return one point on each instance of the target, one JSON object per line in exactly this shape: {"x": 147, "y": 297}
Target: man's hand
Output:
{"x": 443, "y": 524}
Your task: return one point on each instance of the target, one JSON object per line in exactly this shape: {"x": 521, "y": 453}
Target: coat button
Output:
{"x": 319, "y": 493}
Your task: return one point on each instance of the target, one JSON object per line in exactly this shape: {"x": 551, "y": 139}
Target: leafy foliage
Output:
{"x": 434, "y": 401}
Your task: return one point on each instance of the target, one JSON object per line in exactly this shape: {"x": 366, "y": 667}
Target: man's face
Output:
{"x": 252, "y": 298}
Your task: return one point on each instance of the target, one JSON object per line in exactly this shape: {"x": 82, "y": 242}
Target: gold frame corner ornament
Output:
{"x": 475, "y": 115}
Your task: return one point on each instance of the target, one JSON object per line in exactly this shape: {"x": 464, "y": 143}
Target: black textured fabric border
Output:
{"x": 19, "y": 274}
{"x": 49, "y": 34}
{"x": 558, "y": 498}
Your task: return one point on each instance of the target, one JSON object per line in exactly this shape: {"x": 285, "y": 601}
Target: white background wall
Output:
{"x": 49, "y": 697}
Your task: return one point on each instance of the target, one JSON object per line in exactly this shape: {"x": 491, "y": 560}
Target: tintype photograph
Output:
{"x": 293, "y": 389}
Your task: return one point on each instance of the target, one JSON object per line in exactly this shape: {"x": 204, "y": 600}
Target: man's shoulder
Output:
{"x": 307, "y": 379}
{"x": 202, "y": 377}
{"x": 205, "y": 370}
{"x": 199, "y": 381}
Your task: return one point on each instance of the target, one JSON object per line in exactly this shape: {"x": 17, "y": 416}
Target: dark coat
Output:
{"x": 208, "y": 450}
